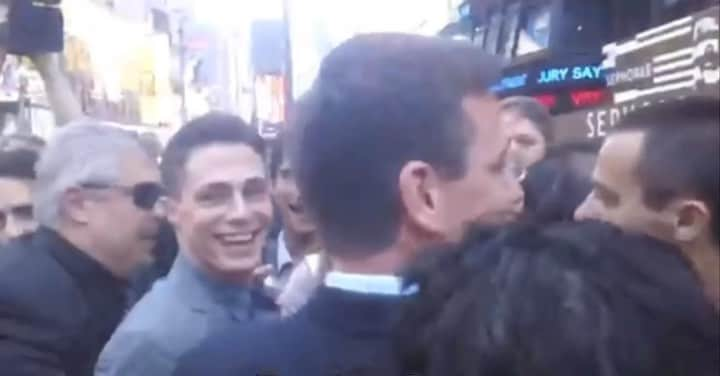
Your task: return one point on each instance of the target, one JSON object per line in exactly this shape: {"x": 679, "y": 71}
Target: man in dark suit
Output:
{"x": 398, "y": 149}
{"x": 62, "y": 289}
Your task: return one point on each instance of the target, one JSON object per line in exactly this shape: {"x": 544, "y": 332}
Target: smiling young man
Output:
{"x": 399, "y": 147}
{"x": 658, "y": 173}
{"x": 219, "y": 204}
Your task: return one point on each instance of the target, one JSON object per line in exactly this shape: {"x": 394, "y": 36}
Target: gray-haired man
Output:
{"x": 62, "y": 290}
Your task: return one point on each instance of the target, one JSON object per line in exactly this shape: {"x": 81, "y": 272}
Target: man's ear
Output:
{"x": 419, "y": 187}
{"x": 74, "y": 205}
{"x": 691, "y": 219}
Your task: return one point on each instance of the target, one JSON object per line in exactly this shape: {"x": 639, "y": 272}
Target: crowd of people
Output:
{"x": 408, "y": 222}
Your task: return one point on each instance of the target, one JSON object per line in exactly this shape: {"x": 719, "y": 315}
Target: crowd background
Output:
{"x": 407, "y": 222}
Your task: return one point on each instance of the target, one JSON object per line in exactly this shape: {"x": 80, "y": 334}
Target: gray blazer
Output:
{"x": 175, "y": 316}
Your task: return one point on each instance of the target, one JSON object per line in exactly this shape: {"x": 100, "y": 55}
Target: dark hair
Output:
{"x": 565, "y": 300}
{"x": 381, "y": 100}
{"x": 210, "y": 129}
{"x": 553, "y": 191}
{"x": 531, "y": 109}
{"x": 18, "y": 164}
{"x": 151, "y": 143}
{"x": 680, "y": 154}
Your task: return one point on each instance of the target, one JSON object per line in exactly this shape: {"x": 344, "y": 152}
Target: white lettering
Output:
{"x": 630, "y": 75}
{"x": 591, "y": 125}
{"x": 601, "y": 116}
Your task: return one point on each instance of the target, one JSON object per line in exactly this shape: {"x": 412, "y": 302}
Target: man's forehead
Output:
{"x": 224, "y": 163}
{"x": 619, "y": 156}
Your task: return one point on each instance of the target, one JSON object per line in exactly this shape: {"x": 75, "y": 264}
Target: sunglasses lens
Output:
{"x": 3, "y": 220}
{"x": 23, "y": 212}
{"x": 146, "y": 195}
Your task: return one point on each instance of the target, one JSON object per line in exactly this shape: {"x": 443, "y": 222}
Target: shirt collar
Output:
{"x": 368, "y": 284}
{"x": 203, "y": 290}
{"x": 283, "y": 253}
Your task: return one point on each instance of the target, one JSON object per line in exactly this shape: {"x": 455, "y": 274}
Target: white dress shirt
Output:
{"x": 368, "y": 283}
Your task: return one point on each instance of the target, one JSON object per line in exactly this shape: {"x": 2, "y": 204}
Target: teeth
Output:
{"x": 237, "y": 238}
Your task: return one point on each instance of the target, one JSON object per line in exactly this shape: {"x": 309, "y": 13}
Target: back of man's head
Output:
{"x": 18, "y": 164}
{"x": 207, "y": 130}
{"x": 565, "y": 300}
{"x": 380, "y": 101}
{"x": 680, "y": 155}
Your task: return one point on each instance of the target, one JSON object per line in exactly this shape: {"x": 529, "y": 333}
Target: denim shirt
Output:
{"x": 175, "y": 316}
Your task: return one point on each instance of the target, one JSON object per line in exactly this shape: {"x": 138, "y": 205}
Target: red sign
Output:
{"x": 588, "y": 98}
{"x": 575, "y": 99}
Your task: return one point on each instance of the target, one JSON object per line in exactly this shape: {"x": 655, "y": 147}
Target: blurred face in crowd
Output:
{"x": 527, "y": 145}
{"x": 121, "y": 216}
{"x": 489, "y": 192}
{"x": 16, "y": 211}
{"x": 618, "y": 195}
{"x": 223, "y": 210}
{"x": 287, "y": 197}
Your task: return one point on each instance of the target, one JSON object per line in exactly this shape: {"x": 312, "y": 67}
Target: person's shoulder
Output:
{"x": 33, "y": 275}
{"x": 257, "y": 334}
{"x": 255, "y": 345}
{"x": 159, "y": 313}
{"x": 36, "y": 292}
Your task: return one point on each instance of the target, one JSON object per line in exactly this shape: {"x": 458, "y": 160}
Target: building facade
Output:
{"x": 576, "y": 56}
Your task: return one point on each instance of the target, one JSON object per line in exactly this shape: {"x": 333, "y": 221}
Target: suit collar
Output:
{"x": 354, "y": 313}
{"x": 203, "y": 291}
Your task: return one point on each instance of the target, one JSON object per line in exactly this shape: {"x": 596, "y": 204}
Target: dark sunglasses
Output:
{"x": 145, "y": 195}
{"x": 20, "y": 212}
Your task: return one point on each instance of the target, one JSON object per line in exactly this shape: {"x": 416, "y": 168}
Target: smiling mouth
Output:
{"x": 238, "y": 238}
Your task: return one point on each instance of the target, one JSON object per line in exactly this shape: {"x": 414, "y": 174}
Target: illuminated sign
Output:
{"x": 676, "y": 59}
{"x": 575, "y": 99}
{"x": 572, "y": 74}
{"x": 511, "y": 82}
{"x": 563, "y": 74}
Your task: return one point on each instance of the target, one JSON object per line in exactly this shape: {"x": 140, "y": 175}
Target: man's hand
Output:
{"x": 261, "y": 272}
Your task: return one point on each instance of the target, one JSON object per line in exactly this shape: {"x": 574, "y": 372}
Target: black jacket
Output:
{"x": 58, "y": 307}
{"x": 338, "y": 333}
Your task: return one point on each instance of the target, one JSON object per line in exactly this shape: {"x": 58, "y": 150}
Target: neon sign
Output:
{"x": 511, "y": 82}
{"x": 574, "y": 99}
{"x": 577, "y": 73}
{"x": 551, "y": 76}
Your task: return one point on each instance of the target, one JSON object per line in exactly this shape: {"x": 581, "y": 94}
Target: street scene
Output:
{"x": 359, "y": 188}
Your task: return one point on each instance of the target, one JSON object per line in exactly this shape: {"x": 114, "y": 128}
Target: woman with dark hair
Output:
{"x": 564, "y": 300}
{"x": 554, "y": 187}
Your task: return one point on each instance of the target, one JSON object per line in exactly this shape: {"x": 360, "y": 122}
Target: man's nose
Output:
{"x": 584, "y": 211}
{"x": 239, "y": 210}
